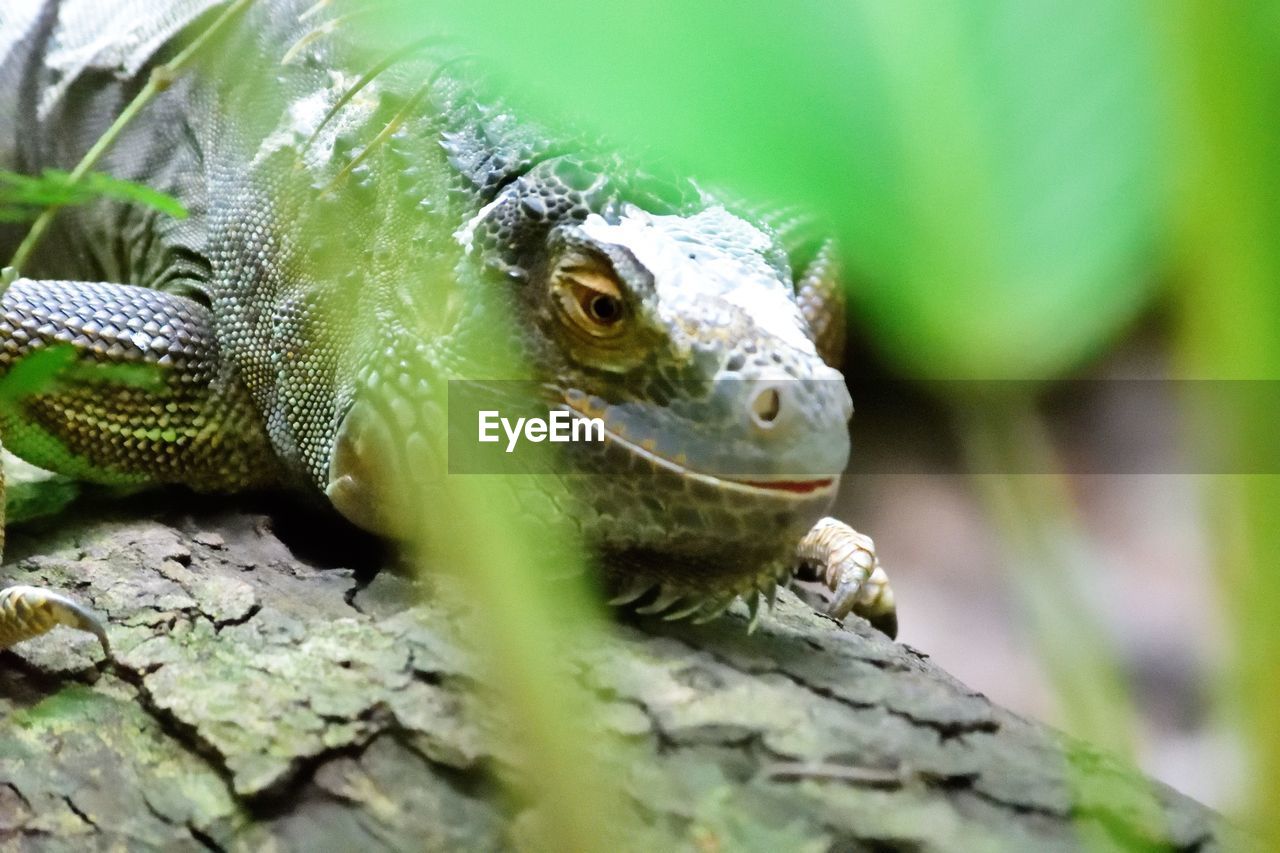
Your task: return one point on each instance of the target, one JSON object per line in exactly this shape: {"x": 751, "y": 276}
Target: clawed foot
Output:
{"x": 845, "y": 560}
{"x": 28, "y": 611}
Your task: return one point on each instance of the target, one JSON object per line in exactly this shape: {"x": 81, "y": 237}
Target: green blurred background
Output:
{"x": 1032, "y": 189}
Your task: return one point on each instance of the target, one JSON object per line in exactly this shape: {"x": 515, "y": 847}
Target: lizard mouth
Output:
{"x": 799, "y": 487}
{"x": 780, "y": 487}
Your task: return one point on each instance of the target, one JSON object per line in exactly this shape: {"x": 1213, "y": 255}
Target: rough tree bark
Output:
{"x": 263, "y": 700}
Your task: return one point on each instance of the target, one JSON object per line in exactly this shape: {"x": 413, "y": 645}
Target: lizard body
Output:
{"x": 357, "y": 239}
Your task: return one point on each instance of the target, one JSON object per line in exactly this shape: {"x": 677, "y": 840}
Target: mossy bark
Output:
{"x": 261, "y": 701}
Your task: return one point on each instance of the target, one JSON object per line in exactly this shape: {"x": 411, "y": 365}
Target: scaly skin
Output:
{"x": 354, "y": 244}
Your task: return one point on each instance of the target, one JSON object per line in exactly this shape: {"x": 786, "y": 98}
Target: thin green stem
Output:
{"x": 161, "y": 78}
{"x": 1017, "y": 475}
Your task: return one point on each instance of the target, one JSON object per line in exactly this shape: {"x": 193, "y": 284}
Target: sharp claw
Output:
{"x": 684, "y": 612}
{"x": 662, "y": 603}
{"x": 713, "y": 609}
{"x": 844, "y": 600}
{"x": 882, "y": 613}
{"x": 873, "y": 589}
{"x": 630, "y": 594}
{"x": 27, "y": 612}
{"x": 85, "y": 620}
{"x": 753, "y": 604}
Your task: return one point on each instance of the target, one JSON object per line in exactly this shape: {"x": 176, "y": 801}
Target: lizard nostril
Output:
{"x": 765, "y": 406}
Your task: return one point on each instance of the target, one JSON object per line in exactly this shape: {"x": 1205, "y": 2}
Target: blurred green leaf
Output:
{"x": 994, "y": 167}
{"x": 48, "y": 371}
{"x": 108, "y": 187}
{"x": 36, "y": 373}
{"x": 23, "y": 197}
{"x": 47, "y": 190}
{"x": 1230, "y": 310}
{"x": 32, "y": 493}
{"x": 1053, "y": 568}
{"x": 18, "y": 214}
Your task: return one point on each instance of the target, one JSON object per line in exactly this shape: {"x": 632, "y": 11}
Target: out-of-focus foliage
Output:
{"x": 520, "y": 620}
{"x": 24, "y": 197}
{"x": 48, "y": 370}
{"x": 35, "y": 374}
{"x": 506, "y": 540}
{"x": 1052, "y": 567}
{"x": 995, "y": 171}
{"x": 994, "y": 168}
{"x": 31, "y": 493}
{"x": 1226, "y": 59}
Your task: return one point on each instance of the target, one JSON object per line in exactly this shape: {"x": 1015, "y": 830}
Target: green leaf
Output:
{"x": 1229, "y": 313}
{"x": 994, "y": 167}
{"x": 18, "y": 214}
{"x": 48, "y": 190}
{"x": 22, "y": 197}
{"x": 144, "y": 377}
{"x": 109, "y": 187}
{"x": 37, "y": 373}
{"x": 49, "y": 370}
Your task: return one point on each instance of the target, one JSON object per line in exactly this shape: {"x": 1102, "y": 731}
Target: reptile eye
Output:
{"x": 591, "y": 301}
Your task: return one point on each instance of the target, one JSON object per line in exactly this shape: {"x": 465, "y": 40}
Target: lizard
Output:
{"x": 358, "y": 230}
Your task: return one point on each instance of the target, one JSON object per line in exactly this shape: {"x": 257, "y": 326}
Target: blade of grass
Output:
{"x": 490, "y": 538}
{"x": 523, "y": 623}
{"x": 1229, "y": 215}
{"x": 99, "y": 184}
{"x": 1049, "y": 568}
{"x": 26, "y": 196}
{"x": 161, "y": 78}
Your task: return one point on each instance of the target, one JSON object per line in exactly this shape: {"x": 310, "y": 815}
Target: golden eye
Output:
{"x": 592, "y": 301}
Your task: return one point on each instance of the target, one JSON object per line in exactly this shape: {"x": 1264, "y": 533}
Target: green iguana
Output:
{"x": 359, "y": 228}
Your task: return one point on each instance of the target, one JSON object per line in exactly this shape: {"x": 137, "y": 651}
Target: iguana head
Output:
{"x": 677, "y": 323}
{"x": 725, "y": 431}
{"x": 418, "y": 225}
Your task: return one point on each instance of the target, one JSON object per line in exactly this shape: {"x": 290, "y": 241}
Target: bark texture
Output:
{"x": 264, "y": 699}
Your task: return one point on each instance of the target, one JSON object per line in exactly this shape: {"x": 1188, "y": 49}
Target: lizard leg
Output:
{"x": 845, "y": 560}
{"x": 148, "y": 399}
{"x": 143, "y": 399}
